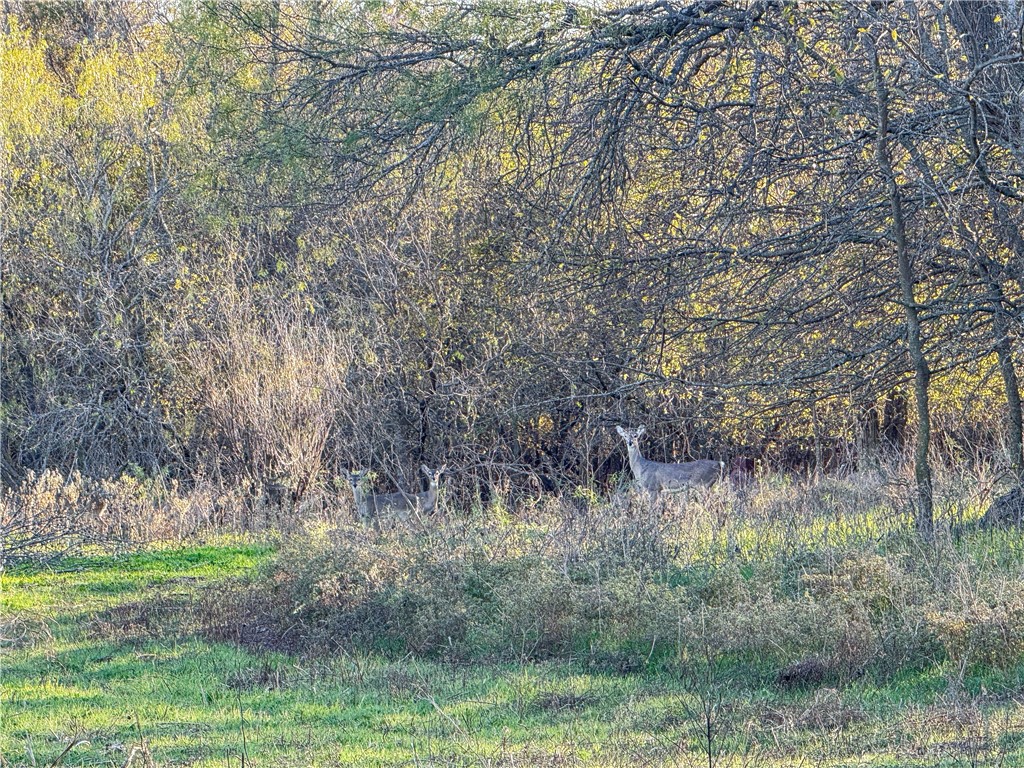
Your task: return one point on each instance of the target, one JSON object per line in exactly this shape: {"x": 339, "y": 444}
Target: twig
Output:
{"x": 67, "y": 749}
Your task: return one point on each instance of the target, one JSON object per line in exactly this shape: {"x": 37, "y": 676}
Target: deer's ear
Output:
{"x": 621, "y": 431}
{"x": 640, "y": 430}
{"x": 426, "y": 470}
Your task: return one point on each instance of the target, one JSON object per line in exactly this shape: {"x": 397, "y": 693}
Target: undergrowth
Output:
{"x": 789, "y": 622}
{"x": 803, "y": 583}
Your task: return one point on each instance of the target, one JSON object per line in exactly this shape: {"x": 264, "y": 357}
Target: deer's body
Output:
{"x": 657, "y": 476}
{"x": 378, "y": 509}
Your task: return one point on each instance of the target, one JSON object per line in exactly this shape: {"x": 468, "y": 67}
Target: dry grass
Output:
{"x": 605, "y": 688}
{"x": 805, "y": 583}
{"x": 50, "y": 515}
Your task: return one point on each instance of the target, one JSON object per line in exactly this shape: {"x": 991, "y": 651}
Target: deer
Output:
{"x": 655, "y": 476}
{"x": 374, "y": 508}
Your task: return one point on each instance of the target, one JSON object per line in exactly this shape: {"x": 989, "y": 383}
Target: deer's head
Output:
{"x": 432, "y": 475}
{"x": 631, "y": 436}
{"x": 357, "y": 478}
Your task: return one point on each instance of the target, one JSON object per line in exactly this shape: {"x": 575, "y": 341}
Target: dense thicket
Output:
{"x": 256, "y": 244}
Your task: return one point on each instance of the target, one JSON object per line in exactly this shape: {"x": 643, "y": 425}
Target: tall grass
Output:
{"x": 799, "y": 582}
{"x": 49, "y": 514}
{"x": 790, "y": 620}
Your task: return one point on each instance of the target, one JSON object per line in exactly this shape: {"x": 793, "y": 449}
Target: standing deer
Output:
{"x": 375, "y": 508}
{"x": 656, "y": 476}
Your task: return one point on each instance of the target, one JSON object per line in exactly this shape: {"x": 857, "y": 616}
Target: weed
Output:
{"x": 593, "y": 635}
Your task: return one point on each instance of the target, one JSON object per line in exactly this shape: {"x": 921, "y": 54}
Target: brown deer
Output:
{"x": 656, "y": 476}
{"x": 387, "y": 508}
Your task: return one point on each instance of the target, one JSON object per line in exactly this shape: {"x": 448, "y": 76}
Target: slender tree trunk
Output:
{"x": 922, "y": 373}
{"x": 995, "y": 302}
{"x": 1001, "y": 324}
{"x": 870, "y": 435}
{"x": 1007, "y": 367}
{"x": 984, "y": 38}
{"x": 1004, "y": 351}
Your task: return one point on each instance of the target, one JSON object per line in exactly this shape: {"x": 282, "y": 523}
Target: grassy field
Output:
{"x": 109, "y": 660}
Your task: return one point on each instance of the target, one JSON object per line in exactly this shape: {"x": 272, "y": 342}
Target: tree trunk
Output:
{"x": 987, "y": 31}
{"x": 924, "y": 516}
{"x": 1007, "y": 368}
{"x": 995, "y": 302}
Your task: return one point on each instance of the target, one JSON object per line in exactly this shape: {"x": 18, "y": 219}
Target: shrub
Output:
{"x": 622, "y": 585}
{"x": 38, "y": 518}
{"x": 982, "y": 631}
{"x": 492, "y": 591}
{"x": 49, "y": 514}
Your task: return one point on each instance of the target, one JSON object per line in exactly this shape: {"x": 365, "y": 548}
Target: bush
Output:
{"x": 50, "y": 514}
{"x": 980, "y": 630}
{"x": 496, "y": 592}
{"x": 38, "y": 518}
{"x": 623, "y": 586}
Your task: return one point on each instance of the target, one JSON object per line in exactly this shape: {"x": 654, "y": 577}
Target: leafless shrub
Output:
{"x": 49, "y": 514}
{"x": 980, "y": 623}
{"x": 37, "y": 517}
{"x": 269, "y": 387}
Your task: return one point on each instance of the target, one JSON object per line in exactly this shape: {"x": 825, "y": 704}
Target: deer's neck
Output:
{"x": 636, "y": 460}
{"x": 430, "y": 496}
{"x": 361, "y": 497}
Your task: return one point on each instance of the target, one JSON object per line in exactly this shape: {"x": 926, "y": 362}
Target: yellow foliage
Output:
{"x": 31, "y": 99}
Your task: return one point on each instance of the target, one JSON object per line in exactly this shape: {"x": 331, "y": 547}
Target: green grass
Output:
{"x": 102, "y": 579}
{"x": 72, "y": 674}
